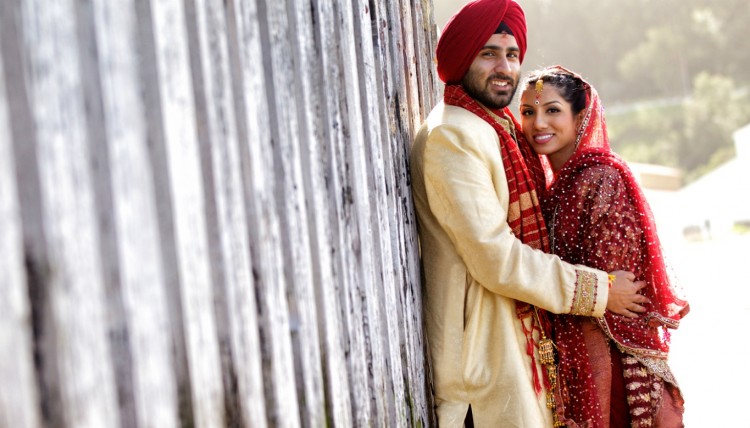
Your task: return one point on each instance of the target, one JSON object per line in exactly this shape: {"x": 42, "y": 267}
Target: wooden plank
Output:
{"x": 405, "y": 38}
{"x": 405, "y": 251}
{"x": 418, "y": 373}
{"x": 265, "y": 231}
{"x": 250, "y": 202}
{"x": 180, "y": 204}
{"x": 376, "y": 131}
{"x": 149, "y": 72}
{"x": 412, "y": 298}
{"x": 64, "y": 268}
{"x": 347, "y": 265}
{"x": 293, "y": 212}
{"x": 425, "y": 43}
{"x": 309, "y": 100}
{"x": 227, "y": 218}
{"x": 18, "y": 393}
{"x": 360, "y": 79}
{"x": 139, "y": 321}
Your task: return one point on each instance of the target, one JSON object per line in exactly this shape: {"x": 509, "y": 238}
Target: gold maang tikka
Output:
{"x": 539, "y": 87}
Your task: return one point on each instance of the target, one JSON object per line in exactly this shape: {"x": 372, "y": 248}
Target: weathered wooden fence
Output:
{"x": 205, "y": 213}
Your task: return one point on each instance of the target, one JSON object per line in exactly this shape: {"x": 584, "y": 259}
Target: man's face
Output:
{"x": 493, "y": 77}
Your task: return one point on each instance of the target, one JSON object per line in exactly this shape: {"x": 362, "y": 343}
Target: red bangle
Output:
{"x": 611, "y": 280}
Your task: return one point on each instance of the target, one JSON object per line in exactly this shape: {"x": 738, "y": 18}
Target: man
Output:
{"x": 488, "y": 282}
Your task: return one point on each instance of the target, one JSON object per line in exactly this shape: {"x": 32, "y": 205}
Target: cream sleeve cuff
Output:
{"x": 591, "y": 292}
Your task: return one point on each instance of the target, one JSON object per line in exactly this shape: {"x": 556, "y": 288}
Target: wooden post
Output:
{"x": 18, "y": 396}
{"x": 206, "y": 214}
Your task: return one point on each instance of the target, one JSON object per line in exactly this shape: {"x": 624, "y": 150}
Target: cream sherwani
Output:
{"x": 475, "y": 269}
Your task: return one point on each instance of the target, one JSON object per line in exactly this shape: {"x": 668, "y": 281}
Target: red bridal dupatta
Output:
{"x": 598, "y": 216}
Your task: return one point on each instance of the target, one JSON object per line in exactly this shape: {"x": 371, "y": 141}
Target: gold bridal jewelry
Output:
{"x": 539, "y": 87}
{"x": 546, "y": 348}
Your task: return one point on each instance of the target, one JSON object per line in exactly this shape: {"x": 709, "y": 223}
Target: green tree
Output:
{"x": 648, "y": 133}
{"x": 641, "y": 49}
{"x": 671, "y": 73}
{"x": 715, "y": 111}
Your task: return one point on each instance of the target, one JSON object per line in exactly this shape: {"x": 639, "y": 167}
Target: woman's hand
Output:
{"x": 623, "y": 295}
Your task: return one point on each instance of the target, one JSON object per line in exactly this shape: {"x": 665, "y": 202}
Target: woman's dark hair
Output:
{"x": 571, "y": 87}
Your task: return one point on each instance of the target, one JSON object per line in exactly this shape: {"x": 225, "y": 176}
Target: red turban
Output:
{"x": 469, "y": 29}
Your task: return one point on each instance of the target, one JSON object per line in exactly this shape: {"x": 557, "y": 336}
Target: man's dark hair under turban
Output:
{"x": 468, "y": 30}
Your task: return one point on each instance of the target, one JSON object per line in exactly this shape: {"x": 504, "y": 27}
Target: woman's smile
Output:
{"x": 543, "y": 138}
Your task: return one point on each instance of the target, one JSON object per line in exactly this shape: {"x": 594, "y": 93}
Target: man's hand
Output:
{"x": 623, "y": 296}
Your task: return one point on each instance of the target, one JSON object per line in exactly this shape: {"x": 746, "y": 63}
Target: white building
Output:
{"x": 720, "y": 200}
{"x": 716, "y": 204}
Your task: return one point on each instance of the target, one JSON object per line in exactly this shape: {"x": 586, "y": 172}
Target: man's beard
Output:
{"x": 480, "y": 92}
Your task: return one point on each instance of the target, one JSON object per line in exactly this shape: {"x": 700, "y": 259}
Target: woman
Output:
{"x": 612, "y": 371}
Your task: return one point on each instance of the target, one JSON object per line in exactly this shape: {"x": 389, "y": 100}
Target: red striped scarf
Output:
{"x": 524, "y": 212}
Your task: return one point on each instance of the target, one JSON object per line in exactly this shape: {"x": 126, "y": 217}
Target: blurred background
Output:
{"x": 674, "y": 77}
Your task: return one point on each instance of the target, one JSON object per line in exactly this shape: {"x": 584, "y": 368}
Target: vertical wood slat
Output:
{"x": 355, "y": 153}
{"x": 17, "y": 398}
{"x": 401, "y": 127}
{"x": 293, "y": 211}
{"x": 421, "y": 34}
{"x": 247, "y": 162}
{"x": 77, "y": 374}
{"x": 425, "y": 43}
{"x": 247, "y": 353}
{"x": 149, "y": 73}
{"x": 122, "y": 155}
{"x": 347, "y": 261}
{"x": 309, "y": 101}
{"x": 408, "y": 50}
{"x": 177, "y": 158}
{"x": 228, "y": 229}
{"x": 280, "y": 392}
{"x": 371, "y": 77}
{"x": 409, "y": 241}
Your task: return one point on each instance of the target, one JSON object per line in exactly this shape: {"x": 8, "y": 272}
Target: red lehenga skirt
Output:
{"x": 607, "y": 368}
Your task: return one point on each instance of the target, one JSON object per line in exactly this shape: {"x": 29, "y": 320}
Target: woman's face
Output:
{"x": 549, "y": 124}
